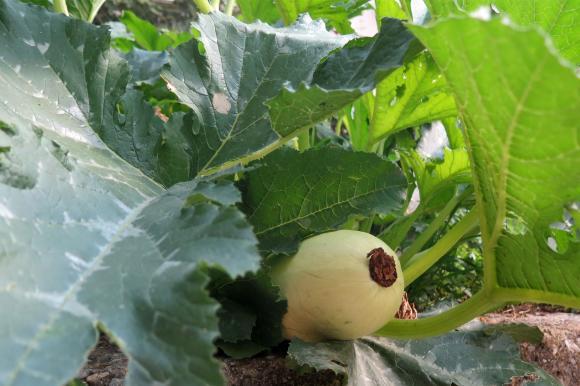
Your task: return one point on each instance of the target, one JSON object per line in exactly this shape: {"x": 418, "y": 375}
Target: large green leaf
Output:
{"x": 459, "y": 358}
{"x": 320, "y": 189}
{"x": 343, "y": 77}
{"x": 559, "y": 18}
{"x": 226, "y": 84}
{"x": 86, "y": 239}
{"x": 521, "y": 118}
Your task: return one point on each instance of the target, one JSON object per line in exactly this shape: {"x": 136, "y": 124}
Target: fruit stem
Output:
{"x": 382, "y": 267}
{"x": 480, "y": 303}
{"x": 433, "y": 227}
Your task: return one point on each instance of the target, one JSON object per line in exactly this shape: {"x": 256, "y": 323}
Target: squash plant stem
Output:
{"x": 478, "y": 304}
{"x": 202, "y": 6}
{"x": 424, "y": 260}
{"x": 231, "y": 4}
{"x": 433, "y": 227}
{"x": 61, "y": 7}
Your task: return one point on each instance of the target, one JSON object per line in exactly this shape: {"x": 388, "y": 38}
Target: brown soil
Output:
{"x": 558, "y": 354}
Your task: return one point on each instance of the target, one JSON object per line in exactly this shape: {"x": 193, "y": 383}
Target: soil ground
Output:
{"x": 558, "y": 354}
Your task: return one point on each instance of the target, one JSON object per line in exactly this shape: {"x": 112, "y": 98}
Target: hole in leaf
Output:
{"x": 4, "y": 128}
{"x": 515, "y": 225}
{"x": 13, "y": 174}
{"x": 400, "y": 90}
{"x": 560, "y": 235}
{"x": 62, "y": 155}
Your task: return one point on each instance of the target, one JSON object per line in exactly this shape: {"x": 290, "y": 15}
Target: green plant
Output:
{"x": 157, "y": 225}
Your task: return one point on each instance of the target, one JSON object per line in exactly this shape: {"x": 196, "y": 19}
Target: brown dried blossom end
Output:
{"x": 382, "y": 267}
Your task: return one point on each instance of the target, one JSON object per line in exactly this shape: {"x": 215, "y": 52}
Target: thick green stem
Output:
{"x": 398, "y": 230}
{"x": 60, "y": 7}
{"x": 424, "y": 260}
{"x": 446, "y": 321}
{"x": 203, "y": 6}
{"x": 231, "y": 4}
{"x": 367, "y": 224}
{"x": 433, "y": 227}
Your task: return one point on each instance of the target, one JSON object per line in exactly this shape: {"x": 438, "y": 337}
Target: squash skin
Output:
{"x": 329, "y": 288}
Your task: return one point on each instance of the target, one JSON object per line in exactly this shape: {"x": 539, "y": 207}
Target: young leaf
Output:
{"x": 85, "y": 9}
{"x": 239, "y": 68}
{"x": 458, "y": 358}
{"x": 525, "y": 174}
{"x": 85, "y": 238}
{"x": 320, "y": 190}
{"x": 336, "y": 13}
{"x": 343, "y": 77}
{"x": 264, "y": 10}
{"x": 558, "y": 18}
{"x": 412, "y": 95}
{"x": 148, "y": 36}
{"x": 435, "y": 178}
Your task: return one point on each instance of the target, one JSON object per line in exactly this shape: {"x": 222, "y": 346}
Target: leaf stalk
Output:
{"x": 422, "y": 261}
{"x": 480, "y": 303}
{"x": 230, "y": 5}
{"x": 61, "y": 7}
{"x": 203, "y": 6}
{"x": 433, "y": 227}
